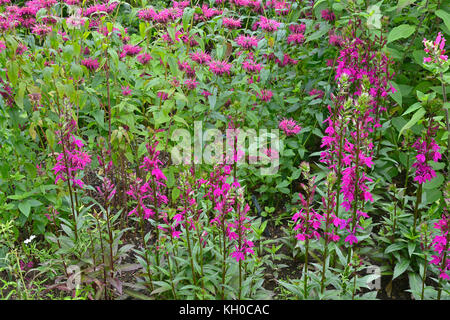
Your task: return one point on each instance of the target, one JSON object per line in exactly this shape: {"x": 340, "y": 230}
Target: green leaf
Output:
{"x": 411, "y": 247}
{"x": 444, "y": 16}
{"x": 394, "y": 247}
{"x": 397, "y": 96}
{"x": 415, "y": 283}
{"x": 25, "y": 208}
{"x": 13, "y": 72}
{"x": 415, "y": 118}
{"x": 402, "y": 31}
{"x": 434, "y": 183}
{"x": 412, "y": 108}
{"x": 400, "y": 268}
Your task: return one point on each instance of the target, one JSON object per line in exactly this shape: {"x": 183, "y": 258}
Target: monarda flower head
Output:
{"x": 246, "y": 42}
{"x": 231, "y": 23}
{"x": 190, "y": 84}
{"x": 251, "y": 66}
{"x": 219, "y": 67}
{"x": 264, "y": 95}
{"x": 41, "y": 29}
{"x": 268, "y": 24}
{"x": 328, "y": 15}
{"x": 289, "y": 126}
{"x": 91, "y": 64}
{"x": 129, "y": 50}
{"x": 144, "y": 58}
{"x": 200, "y": 57}
{"x": 316, "y": 93}
{"x": 295, "y": 38}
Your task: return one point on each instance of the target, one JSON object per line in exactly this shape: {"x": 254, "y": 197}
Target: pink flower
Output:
{"x": 129, "y": 50}
{"x": 219, "y": 67}
{"x": 289, "y": 126}
{"x": 247, "y": 42}
{"x": 297, "y": 28}
{"x": 126, "y": 91}
{"x": 317, "y": 93}
{"x": 200, "y": 57}
{"x": 251, "y": 66}
{"x": 351, "y": 239}
{"x": 231, "y": 23}
{"x": 205, "y": 93}
{"x": 265, "y": 95}
{"x": 41, "y": 29}
{"x": 295, "y": 38}
{"x": 328, "y": 15}
{"x": 268, "y": 24}
{"x": 190, "y": 84}
{"x": 162, "y": 95}
{"x": 144, "y": 58}
{"x": 91, "y": 64}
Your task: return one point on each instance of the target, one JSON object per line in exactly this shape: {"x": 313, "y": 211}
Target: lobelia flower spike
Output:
{"x": 307, "y": 220}
{"x": 441, "y": 248}
{"x": 149, "y": 189}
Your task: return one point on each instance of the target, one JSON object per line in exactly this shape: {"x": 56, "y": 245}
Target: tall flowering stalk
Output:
{"x": 70, "y": 163}
{"x": 437, "y": 62}
{"x": 362, "y": 86}
{"x": 307, "y": 220}
{"x": 441, "y": 243}
{"x": 147, "y": 193}
{"x": 331, "y": 221}
{"x": 239, "y": 230}
{"x": 427, "y": 150}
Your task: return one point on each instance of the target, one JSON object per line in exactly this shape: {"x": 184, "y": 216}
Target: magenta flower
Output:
{"x": 435, "y": 50}
{"x": 91, "y": 64}
{"x": 328, "y": 15}
{"x": 41, "y": 29}
{"x": 318, "y": 94}
{"x": 190, "y": 84}
{"x": 126, "y": 91}
{"x": 289, "y": 126}
{"x": 129, "y": 50}
{"x": 268, "y": 24}
{"x": 200, "y": 57}
{"x": 144, "y": 58}
{"x": 441, "y": 247}
{"x": 247, "y": 42}
{"x": 231, "y": 23}
{"x": 427, "y": 150}
{"x": 297, "y": 28}
{"x": 206, "y": 93}
{"x": 251, "y": 66}
{"x": 72, "y": 160}
{"x": 265, "y": 95}
{"x": 219, "y": 67}
{"x": 162, "y": 95}
{"x": 351, "y": 239}
{"x": 295, "y": 38}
